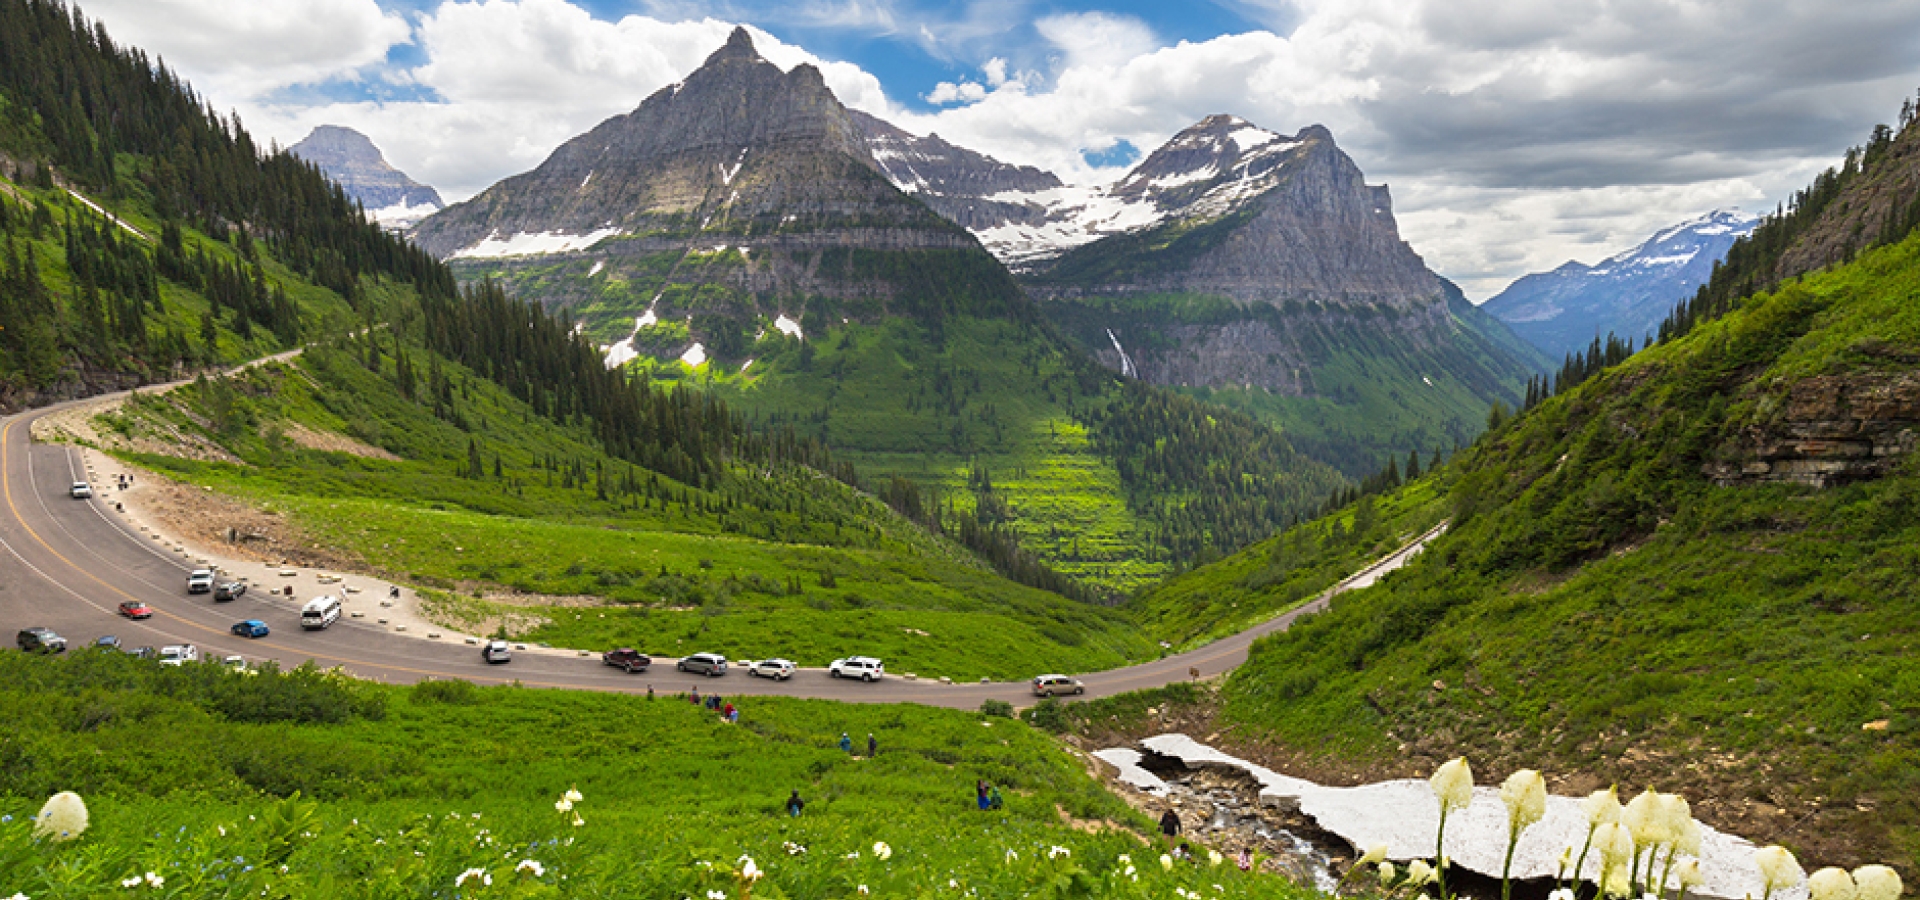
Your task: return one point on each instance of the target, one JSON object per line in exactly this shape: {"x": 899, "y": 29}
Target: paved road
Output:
{"x": 67, "y": 564}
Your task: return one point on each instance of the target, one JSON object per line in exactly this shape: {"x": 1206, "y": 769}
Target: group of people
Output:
{"x": 987, "y": 795}
{"x": 728, "y": 712}
{"x": 1170, "y": 829}
{"x": 873, "y": 745}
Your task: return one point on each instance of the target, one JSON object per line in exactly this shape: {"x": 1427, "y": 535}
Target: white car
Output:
{"x": 777, "y": 669}
{"x": 81, "y": 490}
{"x": 200, "y": 581}
{"x": 496, "y": 652}
{"x": 179, "y": 654}
{"x": 865, "y": 668}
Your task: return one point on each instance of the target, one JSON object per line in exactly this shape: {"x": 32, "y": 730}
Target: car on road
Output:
{"x": 229, "y": 590}
{"x": 251, "y": 628}
{"x": 865, "y": 668}
{"x": 135, "y": 609}
{"x": 703, "y": 664}
{"x": 143, "y": 653}
{"x": 107, "y": 642}
{"x": 776, "y": 669}
{"x": 627, "y": 658}
{"x": 238, "y": 663}
{"x": 496, "y": 652}
{"x": 41, "y": 640}
{"x": 200, "y": 581}
{"x": 80, "y": 490}
{"x": 1055, "y": 685}
{"x": 179, "y": 654}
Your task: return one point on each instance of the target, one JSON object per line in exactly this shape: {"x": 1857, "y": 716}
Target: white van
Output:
{"x": 319, "y": 613}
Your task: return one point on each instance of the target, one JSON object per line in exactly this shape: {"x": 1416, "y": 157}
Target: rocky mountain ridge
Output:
{"x": 1628, "y": 294}
{"x": 350, "y": 158}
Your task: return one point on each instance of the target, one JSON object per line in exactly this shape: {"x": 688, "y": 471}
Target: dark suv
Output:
{"x": 42, "y": 640}
{"x": 229, "y": 590}
{"x": 704, "y": 664}
{"x": 628, "y": 659}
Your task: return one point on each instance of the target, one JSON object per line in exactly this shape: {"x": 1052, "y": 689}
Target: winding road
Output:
{"x": 67, "y": 564}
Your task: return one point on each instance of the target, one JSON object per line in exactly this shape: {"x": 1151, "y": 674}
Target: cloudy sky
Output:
{"x": 1515, "y": 134}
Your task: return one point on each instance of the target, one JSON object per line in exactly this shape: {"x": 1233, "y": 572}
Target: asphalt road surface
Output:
{"x": 67, "y": 564}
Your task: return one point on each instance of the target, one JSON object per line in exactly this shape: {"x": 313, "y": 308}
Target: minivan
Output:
{"x": 704, "y": 664}
{"x": 319, "y": 613}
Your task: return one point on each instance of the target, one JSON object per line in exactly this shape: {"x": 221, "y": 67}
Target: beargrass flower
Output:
{"x": 1877, "y": 883}
{"x": 1561, "y": 894}
{"x": 1056, "y": 851}
{"x": 716, "y": 895}
{"x": 1831, "y": 884}
{"x": 130, "y": 882}
{"x": 883, "y": 851}
{"x": 793, "y": 849}
{"x": 1453, "y": 785}
{"x": 563, "y": 805}
{"x": 1642, "y": 816}
{"x": 577, "y": 821}
{"x": 748, "y": 870}
{"x": 1374, "y": 854}
{"x": 62, "y": 818}
{"x": 1525, "y": 795}
{"x": 1614, "y": 840}
{"x": 863, "y": 890}
{"x": 1166, "y": 862}
{"x": 530, "y": 865}
{"x": 1386, "y": 872}
{"x": 571, "y": 794}
{"x": 1419, "y": 873}
{"x": 1778, "y": 869}
{"x": 479, "y": 875}
{"x": 1214, "y": 858}
{"x": 1689, "y": 875}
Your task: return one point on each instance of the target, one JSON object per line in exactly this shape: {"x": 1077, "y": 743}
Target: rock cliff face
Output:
{"x": 1628, "y": 295}
{"x": 961, "y": 185}
{"x": 1827, "y": 430}
{"x": 350, "y": 158}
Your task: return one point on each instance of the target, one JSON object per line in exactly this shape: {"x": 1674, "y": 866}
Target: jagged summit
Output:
{"x": 350, "y": 158}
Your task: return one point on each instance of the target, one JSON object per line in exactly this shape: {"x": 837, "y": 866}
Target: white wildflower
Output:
{"x": 1056, "y": 851}
{"x": 793, "y": 849}
{"x": 1374, "y": 854}
{"x": 63, "y": 818}
{"x": 863, "y": 890}
{"x": 1419, "y": 872}
{"x": 530, "y": 865}
{"x": 1525, "y": 794}
{"x": 563, "y": 805}
{"x": 577, "y": 821}
{"x": 1561, "y": 894}
{"x": 1877, "y": 883}
{"x": 1214, "y": 858}
{"x": 1166, "y": 862}
{"x": 749, "y": 870}
{"x": 1687, "y": 873}
{"x": 1831, "y": 884}
{"x": 1602, "y": 807}
{"x": 1386, "y": 872}
{"x": 1453, "y": 784}
{"x": 881, "y": 850}
{"x": 716, "y": 895}
{"x": 155, "y": 881}
{"x": 133, "y": 882}
{"x": 480, "y": 875}
{"x": 1012, "y": 857}
{"x": 571, "y": 794}
{"x": 1778, "y": 869}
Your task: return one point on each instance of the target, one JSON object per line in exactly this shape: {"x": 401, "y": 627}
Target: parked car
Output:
{"x": 865, "y": 668}
{"x": 42, "y": 640}
{"x": 776, "y": 669}
{"x": 496, "y": 652}
{"x": 230, "y": 590}
{"x": 107, "y": 642}
{"x": 179, "y": 654}
{"x": 1055, "y": 685}
{"x": 200, "y": 581}
{"x": 80, "y": 490}
{"x": 628, "y": 659}
{"x": 134, "y": 609}
{"x": 238, "y": 664}
{"x": 251, "y": 628}
{"x": 704, "y": 664}
{"x": 144, "y": 652}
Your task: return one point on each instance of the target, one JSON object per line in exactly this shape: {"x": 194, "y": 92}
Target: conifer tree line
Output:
{"x": 1390, "y": 478}
{"x": 1578, "y": 367}
{"x": 1752, "y": 264}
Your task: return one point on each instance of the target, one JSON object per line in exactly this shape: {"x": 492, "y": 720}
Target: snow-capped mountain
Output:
{"x": 1562, "y": 311}
{"x": 1203, "y": 172}
{"x": 350, "y": 158}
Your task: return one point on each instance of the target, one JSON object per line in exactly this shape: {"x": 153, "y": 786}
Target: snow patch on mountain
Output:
{"x": 533, "y": 243}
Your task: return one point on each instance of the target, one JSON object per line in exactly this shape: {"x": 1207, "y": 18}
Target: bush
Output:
{"x": 1000, "y": 708}
{"x": 1048, "y": 715}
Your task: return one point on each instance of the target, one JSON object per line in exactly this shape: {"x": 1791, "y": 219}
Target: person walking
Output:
{"x": 873, "y": 746}
{"x": 649, "y": 693}
{"x": 846, "y": 744}
{"x": 980, "y": 790}
{"x": 727, "y": 713}
{"x": 795, "y": 804}
{"x": 1170, "y": 825}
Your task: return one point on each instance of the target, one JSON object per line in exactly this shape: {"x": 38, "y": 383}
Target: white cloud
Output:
{"x": 1097, "y": 39}
{"x": 234, "y": 49}
{"x": 964, "y": 92}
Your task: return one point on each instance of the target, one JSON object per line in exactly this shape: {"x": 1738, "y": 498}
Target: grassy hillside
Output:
{"x": 301, "y": 784}
{"x": 1601, "y": 604}
{"x": 770, "y": 561}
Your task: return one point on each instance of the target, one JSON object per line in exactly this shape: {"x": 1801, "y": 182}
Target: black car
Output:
{"x": 628, "y": 659}
{"x": 108, "y": 642}
{"x": 230, "y": 590}
{"x": 42, "y": 640}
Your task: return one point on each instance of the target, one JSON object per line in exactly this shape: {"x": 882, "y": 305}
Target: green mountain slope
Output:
{"x": 1647, "y": 572}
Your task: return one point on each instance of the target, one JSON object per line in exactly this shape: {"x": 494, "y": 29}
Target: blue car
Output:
{"x": 250, "y": 628}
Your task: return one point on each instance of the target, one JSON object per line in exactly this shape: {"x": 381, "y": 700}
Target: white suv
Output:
{"x": 200, "y": 581}
{"x": 865, "y": 668}
{"x": 80, "y": 490}
{"x": 179, "y": 654}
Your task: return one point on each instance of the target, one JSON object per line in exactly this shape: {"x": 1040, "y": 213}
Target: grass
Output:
{"x": 1599, "y": 600}
{"x": 762, "y": 564}
{"x": 254, "y": 790}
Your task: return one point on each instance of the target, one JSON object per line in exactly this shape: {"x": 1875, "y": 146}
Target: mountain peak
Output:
{"x": 350, "y": 158}
{"x": 739, "y": 45}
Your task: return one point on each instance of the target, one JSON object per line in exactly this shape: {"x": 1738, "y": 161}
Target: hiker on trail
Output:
{"x": 980, "y": 790}
{"x": 1245, "y": 859}
{"x": 993, "y": 798}
{"x": 695, "y": 700}
{"x": 1170, "y": 825}
{"x": 727, "y": 713}
{"x": 846, "y": 743}
{"x": 873, "y": 746}
{"x": 795, "y": 804}
{"x": 649, "y": 692}
{"x": 733, "y": 715}
{"x": 394, "y": 592}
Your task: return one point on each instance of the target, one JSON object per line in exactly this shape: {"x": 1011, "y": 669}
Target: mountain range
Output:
{"x": 350, "y": 158}
{"x": 1627, "y": 294}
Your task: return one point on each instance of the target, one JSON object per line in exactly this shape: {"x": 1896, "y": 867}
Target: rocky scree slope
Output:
{"x": 350, "y": 158}
{"x": 1628, "y": 294}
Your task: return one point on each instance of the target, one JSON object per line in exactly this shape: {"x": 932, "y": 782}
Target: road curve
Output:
{"x": 67, "y": 564}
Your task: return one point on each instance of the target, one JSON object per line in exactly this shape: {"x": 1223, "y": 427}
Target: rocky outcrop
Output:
{"x": 350, "y": 158}
{"x": 1827, "y": 430}
{"x": 1881, "y": 205}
